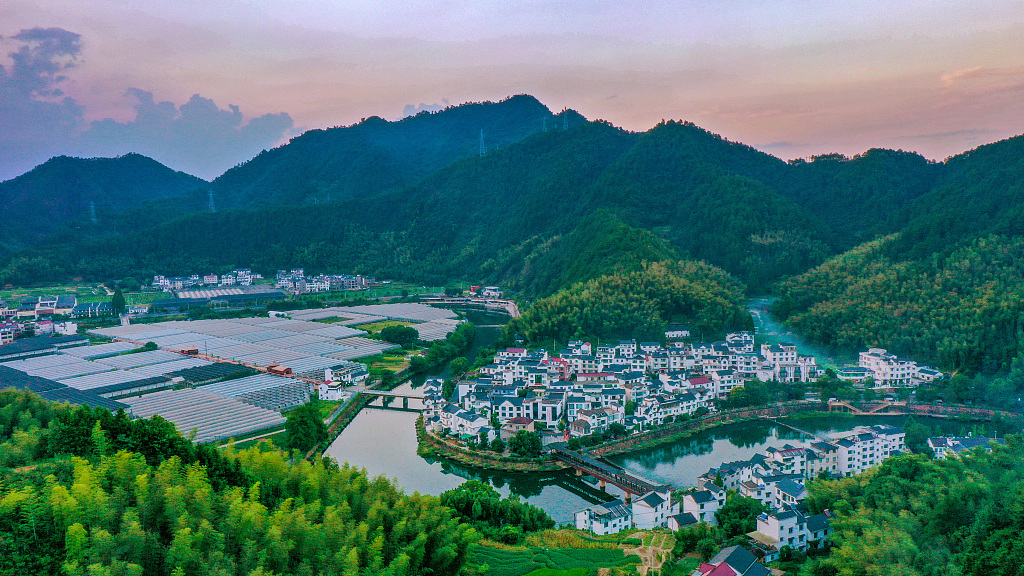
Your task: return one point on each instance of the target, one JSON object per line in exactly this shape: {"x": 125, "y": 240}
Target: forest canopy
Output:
{"x": 100, "y": 494}
{"x": 638, "y": 304}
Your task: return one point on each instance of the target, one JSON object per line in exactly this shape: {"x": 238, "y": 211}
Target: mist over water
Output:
{"x": 768, "y": 330}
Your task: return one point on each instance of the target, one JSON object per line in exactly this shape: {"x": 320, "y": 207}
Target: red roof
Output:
{"x": 699, "y": 381}
{"x": 515, "y": 350}
{"x": 519, "y": 420}
{"x": 722, "y": 569}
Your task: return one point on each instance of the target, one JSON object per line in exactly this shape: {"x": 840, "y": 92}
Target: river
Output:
{"x": 771, "y": 331}
{"x": 384, "y": 443}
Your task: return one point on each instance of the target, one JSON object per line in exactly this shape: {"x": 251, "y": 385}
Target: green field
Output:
{"x": 533, "y": 560}
{"x": 86, "y": 292}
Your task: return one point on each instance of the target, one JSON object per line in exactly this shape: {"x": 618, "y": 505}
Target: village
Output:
{"x": 625, "y": 388}
{"x": 631, "y": 387}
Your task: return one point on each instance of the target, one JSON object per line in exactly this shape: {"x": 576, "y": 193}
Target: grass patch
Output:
{"x": 84, "y": 292}
{"x": 531, "y": 559}
{"x": 394, "y": 362}
{"x": 327, "y": 407}
{"x": 329, "y": 320}
{"x": 569, "y": 538}
{"x": 552, "y": 572}
{"x": 144, "y": 297}
{"x": 684, "y": 567}
{"x": 374, "y": 327}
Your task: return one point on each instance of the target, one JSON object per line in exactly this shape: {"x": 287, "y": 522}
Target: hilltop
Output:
{"x": 60, "y": 192}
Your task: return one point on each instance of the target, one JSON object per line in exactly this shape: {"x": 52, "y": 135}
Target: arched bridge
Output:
{"x": 630, "y": 483}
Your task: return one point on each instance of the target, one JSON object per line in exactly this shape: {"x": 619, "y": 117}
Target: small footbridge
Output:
{"x": 386, "y": 396}
{"x": 629, "y": 482}
{"x": 884, "y": 408}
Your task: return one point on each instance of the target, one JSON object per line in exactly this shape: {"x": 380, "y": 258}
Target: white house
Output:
{"x": 653, "y": 510}
{"x": 704, "y": 503}
{"x": 607, "y": 518}
{"x": 789, "y": 528}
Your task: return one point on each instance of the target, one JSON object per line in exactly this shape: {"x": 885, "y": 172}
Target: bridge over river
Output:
{"x": 629, "y": 482}
{"x": 386, "y": 395}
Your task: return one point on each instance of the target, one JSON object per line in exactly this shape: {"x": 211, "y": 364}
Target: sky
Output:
{"x": 204, "y": 85}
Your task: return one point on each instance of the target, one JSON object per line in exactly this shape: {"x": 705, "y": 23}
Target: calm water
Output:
{"x": 384, "y": 442}
{"x": 682, "y": 462}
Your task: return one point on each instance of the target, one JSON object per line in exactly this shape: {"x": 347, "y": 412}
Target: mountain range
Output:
{"x": 547, "y": 201}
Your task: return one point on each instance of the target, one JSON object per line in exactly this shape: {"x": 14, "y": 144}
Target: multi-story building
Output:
{"x": 887, "y": 369}
{"x": 789, "y": 528}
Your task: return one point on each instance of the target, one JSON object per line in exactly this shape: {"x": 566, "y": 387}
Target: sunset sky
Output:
{"x": 203, "y": 85}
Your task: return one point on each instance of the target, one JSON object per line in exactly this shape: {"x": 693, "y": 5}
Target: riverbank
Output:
{"x": 430, "y": 445}
{"x": 676, "y": 432}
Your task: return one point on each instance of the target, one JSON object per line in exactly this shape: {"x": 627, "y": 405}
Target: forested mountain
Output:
{"x": 948, "y": 288}
{"x": 59, "y": 192}
{"x": 489, "y": 217}
{"x": 859, "y": 197}
{"x": 320, "y": 166}
{"x": 375, "y": 156}
{"x": 543, "y": 211}
{"x": 638, "y": 304}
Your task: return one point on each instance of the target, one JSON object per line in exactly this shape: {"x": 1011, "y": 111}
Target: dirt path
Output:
{"x": 653, "y": 554}
{"x": 252, "y": 438}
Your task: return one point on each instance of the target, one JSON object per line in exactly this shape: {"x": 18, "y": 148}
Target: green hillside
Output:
{"x": 375, "y": 156}
{"x": 489, "y": 216}
{"x": 59, "y": 192}
{"x": 543, "y": 211}
{"x": 947, "y": 288}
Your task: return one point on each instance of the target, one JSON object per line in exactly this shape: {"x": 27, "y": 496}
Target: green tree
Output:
{"x": 305, "y": 427}
{"x": 525, "y": 443}
{"x": 401, "y": 335}
{"x": 117, "y": 301}
{"x": 707, "y": 548}
{"x": 738, "y": 515}
{"x": 458, "y": 366}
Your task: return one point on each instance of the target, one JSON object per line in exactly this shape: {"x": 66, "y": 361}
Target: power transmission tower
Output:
{"x": 209, "y": 197}
{"x": 482, "y": 148}
{"x": 92, "y": 211}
